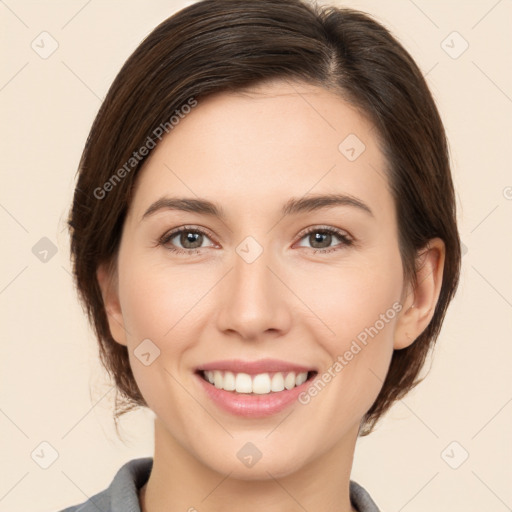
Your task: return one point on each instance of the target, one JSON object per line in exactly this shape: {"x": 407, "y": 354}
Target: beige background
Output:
{"x": 52, "y": 387}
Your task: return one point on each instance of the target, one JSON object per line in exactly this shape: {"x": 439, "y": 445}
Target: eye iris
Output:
{"x": 320, "y": 237}
{"x": 191, "y": 237}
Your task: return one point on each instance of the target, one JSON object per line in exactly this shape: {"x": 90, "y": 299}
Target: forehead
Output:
{"x": 253, "y": 148}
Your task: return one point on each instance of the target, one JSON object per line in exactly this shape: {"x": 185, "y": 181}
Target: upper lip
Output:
{"x": 255, "y": 367}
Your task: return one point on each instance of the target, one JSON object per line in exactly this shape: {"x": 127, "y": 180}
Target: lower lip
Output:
{"x": 252, "y": 405}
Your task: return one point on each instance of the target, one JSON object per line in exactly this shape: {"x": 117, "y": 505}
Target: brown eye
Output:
{"x": 190, "y": 239}
{"x": 321, "y": 239}
{"x": 184, "y": 240}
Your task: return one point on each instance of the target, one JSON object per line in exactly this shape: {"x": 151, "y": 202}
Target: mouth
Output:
{"x": 264, "y": 383}
{"x": 253, "y": 389}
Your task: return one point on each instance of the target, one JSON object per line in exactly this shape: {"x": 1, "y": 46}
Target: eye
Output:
{"x": 322, "y": 237}
{"x": 190, "y": 238}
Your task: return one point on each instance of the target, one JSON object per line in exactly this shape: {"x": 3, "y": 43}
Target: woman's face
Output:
{"x": 314, "y": 287}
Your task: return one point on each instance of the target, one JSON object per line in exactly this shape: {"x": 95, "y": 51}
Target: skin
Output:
{"x": 251, "y": 152}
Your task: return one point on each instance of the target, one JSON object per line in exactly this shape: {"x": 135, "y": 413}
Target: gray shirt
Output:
{"x": 122, "y": 494}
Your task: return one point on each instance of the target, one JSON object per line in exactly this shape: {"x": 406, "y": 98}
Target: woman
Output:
{"x": 264, "y": 236}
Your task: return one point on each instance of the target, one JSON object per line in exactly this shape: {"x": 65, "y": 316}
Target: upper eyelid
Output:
{"x": 312, "y": 229}
{"x": 173, "y": 232}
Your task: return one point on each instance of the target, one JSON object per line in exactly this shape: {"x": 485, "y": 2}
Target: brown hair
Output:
{"x": 226, "y": 45}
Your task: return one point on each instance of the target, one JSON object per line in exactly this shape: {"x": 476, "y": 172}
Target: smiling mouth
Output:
{"x": 258, "y": 384}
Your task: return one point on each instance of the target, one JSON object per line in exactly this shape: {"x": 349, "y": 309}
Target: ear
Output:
{"x": 420, "y": 297}
{"x": 107, "y": 280}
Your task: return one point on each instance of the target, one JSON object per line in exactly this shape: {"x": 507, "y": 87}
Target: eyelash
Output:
{"x": 167, "y": 237}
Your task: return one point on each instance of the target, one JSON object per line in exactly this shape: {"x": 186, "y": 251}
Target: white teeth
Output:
{"x": 243, "y": 383}
{"x": 289, "y": 381}
{"x": 229, "y": 381}
{"x": 301, "y": 378}
{"x": 217, "y": 379}
{"x": 277, "y": 382}
{"x": 260, "y": 384}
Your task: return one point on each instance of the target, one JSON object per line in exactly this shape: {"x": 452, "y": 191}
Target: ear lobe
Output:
{"x": 107, "y": 281}
{"x": 420, "y": 304}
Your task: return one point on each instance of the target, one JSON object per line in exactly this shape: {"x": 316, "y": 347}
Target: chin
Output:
{"x": 246, "y": 462}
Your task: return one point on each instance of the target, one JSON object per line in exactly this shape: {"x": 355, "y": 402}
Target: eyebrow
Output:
{"x": 293, "y": 206}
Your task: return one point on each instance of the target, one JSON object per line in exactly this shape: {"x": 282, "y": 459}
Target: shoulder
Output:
{"x": 122, "y": 493}
{"x": 360, "y": 498}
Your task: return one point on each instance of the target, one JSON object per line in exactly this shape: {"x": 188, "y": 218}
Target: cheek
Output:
{"x": 358, "y": 307}
{"x": 350, "y": 299}
{"x": 162, "y": 305}
{"x": 158, "y": 302}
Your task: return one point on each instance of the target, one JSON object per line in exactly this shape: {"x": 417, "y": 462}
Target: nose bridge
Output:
{"x": 255, "y": 301}
{"x": 251, "y": 276}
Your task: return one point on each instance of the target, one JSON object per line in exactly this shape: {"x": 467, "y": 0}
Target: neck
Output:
{"x": 179, "y": 481}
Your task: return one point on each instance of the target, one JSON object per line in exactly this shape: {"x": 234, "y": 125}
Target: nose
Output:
{"x": 254, "y": 301}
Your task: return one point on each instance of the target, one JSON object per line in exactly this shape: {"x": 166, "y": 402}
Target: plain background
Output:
{"x": 53, "y": 389}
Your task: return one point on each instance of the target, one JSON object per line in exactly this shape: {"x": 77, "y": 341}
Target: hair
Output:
{"x": 216, "y": 46}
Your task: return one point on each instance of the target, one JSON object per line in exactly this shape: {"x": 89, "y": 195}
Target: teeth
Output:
{"x": 260, "y": 384}
{"x": 229, "y": 382}
{"x": 243, "y": 383}
{"x": 277, "y": 382}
